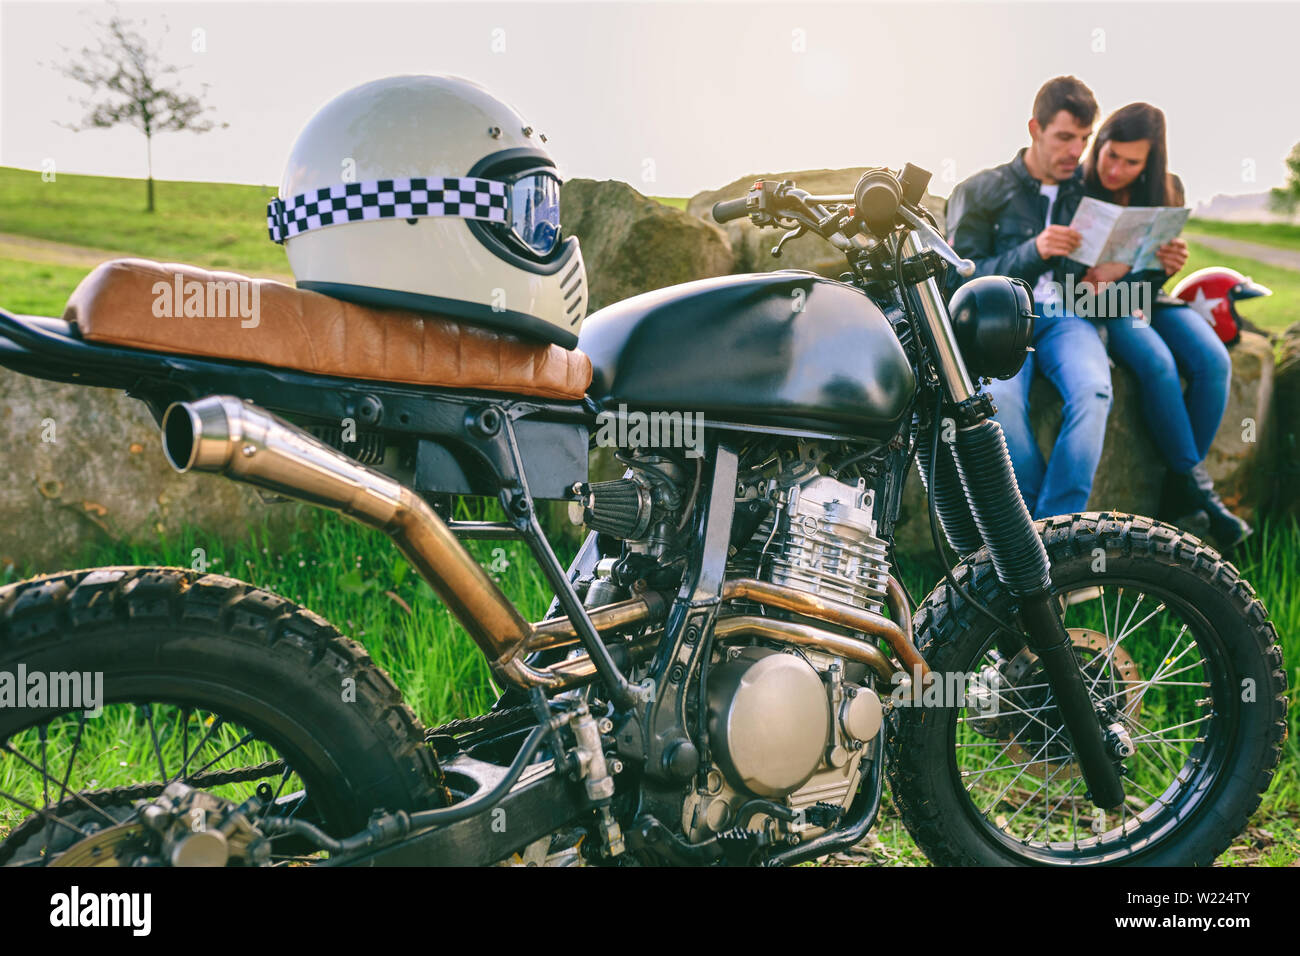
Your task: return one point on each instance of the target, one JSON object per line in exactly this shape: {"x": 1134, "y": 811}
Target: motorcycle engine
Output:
{"x": 789, "y": 728}
{"x": 793, "y": 725}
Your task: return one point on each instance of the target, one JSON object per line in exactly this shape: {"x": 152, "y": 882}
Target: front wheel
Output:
{"x": 124, "y": 680}
{"x": 1173, "y": 645}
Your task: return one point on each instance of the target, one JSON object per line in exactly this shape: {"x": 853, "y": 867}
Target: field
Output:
{"x": 216, "y": 225}
{"x": 1280, "y": 234}
{"x": 354, "y": 577}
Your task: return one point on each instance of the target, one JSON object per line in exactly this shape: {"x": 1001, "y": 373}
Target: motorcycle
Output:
{"x": 730, "y": 668}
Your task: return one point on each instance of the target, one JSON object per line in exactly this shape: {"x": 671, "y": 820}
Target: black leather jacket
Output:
{"x": 994, "y": 216}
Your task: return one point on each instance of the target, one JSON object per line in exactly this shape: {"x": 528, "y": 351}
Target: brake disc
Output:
{"x": 87, "y": 811}
{"x": 121, "y": 845}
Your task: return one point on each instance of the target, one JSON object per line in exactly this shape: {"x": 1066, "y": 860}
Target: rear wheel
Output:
{"x": 1169, "y": 639}
{"x": 205, "y": 680}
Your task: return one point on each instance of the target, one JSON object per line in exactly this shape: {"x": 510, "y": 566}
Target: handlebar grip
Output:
{"x": 729, "y": 209}
{"x": 877, "y": 198}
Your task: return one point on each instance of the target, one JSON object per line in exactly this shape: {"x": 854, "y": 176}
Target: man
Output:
{"x": 1011, "y": 220}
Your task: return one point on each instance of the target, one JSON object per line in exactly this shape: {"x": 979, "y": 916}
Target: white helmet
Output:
{"x": 428, "y": 193}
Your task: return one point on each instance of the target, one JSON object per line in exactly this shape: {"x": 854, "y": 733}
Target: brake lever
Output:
{"x": 936, "y": 242}
{"x": 795, "y": 233}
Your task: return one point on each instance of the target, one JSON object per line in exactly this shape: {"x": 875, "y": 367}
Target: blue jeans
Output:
{"x": 1176, "y": 338}
{"x": 1069, "y": 353}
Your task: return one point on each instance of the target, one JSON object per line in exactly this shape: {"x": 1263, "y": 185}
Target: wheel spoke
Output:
{"x": 233, "y": 747}
{"x": 212, "y": 728}
{"x": 1017, "y": 776}
{"x": 8, "y": 748}
{"x": 49, "y": 816}
{"x": 153, "y": 735}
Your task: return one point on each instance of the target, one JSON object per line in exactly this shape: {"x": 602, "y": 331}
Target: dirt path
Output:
{"x": 1269, "y": 255}
{"x": 80, "y": 257}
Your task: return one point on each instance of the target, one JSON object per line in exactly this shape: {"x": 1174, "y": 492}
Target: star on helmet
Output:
{"x": 1205, "y": 307}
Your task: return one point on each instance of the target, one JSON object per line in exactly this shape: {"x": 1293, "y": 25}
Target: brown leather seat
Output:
{"x": 135, "y": 302}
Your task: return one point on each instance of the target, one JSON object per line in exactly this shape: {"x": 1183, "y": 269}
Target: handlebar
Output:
{"x": 729, "y": 209}
{"x": 880, "y": 199}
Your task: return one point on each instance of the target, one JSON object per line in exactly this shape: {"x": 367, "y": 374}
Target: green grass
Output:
{"x": 1280, "y": 234}
{"x": 216, "y": 225}
{"x": 1272, "y": 313}
{"x": 355, "y": 578}
{"x": 677, "y": 202}
{"x": 36, "y": 288}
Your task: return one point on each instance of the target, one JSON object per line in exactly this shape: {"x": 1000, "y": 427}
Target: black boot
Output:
{"x": 1225, "y": 527}
{"x": 1177, "y": 506}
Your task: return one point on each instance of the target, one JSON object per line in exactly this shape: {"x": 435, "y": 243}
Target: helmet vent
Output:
{"x": 575, "y": 295}
{"x": 568, "y": 276}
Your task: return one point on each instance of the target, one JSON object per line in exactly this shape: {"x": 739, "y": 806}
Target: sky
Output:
{"x": 677, "y": 97}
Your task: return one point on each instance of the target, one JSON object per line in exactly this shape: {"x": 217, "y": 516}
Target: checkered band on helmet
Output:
{"x": 465, "y": 197}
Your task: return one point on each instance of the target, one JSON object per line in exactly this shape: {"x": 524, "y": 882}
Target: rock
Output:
{"x": 1243, "y": 457}
{"x": 1286, "y": 421}
{"x": 752, "y": 246}
{"x": 632, "y": 244}
{"x": 102, "y": 477}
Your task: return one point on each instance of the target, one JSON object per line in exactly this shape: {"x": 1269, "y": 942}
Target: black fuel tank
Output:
{"x": 788, "y": 349}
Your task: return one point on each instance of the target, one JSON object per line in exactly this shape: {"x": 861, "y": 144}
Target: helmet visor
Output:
{"x": 535, "y": 211}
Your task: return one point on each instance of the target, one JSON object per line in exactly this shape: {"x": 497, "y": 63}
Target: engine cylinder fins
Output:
{"x": 824, "y": 543}
{"x": 767, "y": 758}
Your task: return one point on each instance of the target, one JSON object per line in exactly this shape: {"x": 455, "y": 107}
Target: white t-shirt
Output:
{"x": 1046, "y": 289}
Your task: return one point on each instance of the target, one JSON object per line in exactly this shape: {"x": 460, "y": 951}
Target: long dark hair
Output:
{"x": 1126, "y": 125}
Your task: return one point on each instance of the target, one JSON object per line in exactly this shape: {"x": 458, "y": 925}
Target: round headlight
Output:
{"x": 993, "y": 319}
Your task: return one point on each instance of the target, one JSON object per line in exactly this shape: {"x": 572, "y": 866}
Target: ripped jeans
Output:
{"x": 1069, "y": 352}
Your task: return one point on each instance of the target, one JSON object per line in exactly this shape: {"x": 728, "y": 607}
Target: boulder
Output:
{"x": 1243, "y": 458}
{"x": 633, "y": 244}
{"x": 86, "y": 465}
{"x": 752, "y": 246}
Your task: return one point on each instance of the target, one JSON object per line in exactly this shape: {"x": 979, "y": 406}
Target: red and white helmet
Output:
{"x": 1214, "y": 293}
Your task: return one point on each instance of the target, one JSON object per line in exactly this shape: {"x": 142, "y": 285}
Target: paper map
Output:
{"x": 1125, "y": 234}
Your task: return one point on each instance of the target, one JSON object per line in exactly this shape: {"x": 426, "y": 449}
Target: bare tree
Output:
{"x": 126, "y": 79}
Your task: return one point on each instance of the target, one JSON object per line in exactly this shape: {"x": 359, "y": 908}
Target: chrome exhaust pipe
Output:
{"x": 224, "y": 435}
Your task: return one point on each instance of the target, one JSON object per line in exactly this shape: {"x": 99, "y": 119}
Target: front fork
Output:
{"x": 1018, "y": 554}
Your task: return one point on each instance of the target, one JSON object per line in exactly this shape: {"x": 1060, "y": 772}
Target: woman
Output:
{"x": 1127, "y": 166}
